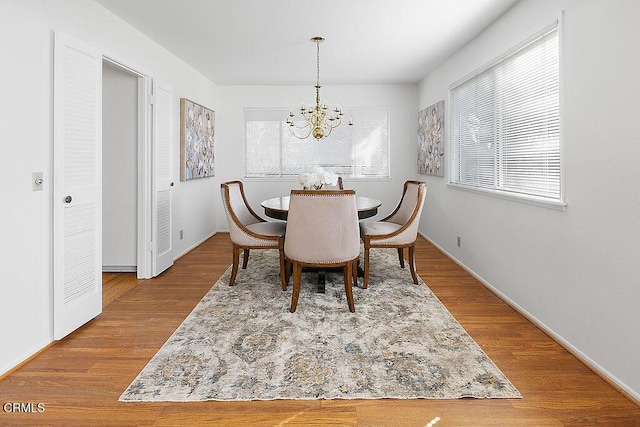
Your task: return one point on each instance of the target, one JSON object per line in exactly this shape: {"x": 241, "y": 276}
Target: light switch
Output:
{"x": 36, "y": 180}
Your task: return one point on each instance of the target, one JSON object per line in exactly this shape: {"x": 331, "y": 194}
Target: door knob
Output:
{"x": 171, "y": 184}
{"x": 68, "y": 199}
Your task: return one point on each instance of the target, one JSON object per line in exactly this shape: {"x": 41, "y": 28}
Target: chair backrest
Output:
{"x": 322, "y": 226}
{"x": 410, "y": 207}
{"x": 238, "y": 212}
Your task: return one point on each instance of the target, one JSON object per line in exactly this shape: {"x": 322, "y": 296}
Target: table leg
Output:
{"x": 359, "y": 269}
{"x": 322, "y": 279}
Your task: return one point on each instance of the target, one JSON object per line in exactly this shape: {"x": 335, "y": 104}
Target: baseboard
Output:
{"x": 119, "y": 268}
{"x": 28, "y": 359}
{"x": 195, "y": 245}
{"x": 611, "y": 379}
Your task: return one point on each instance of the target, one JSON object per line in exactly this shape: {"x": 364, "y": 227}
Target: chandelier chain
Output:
{"x": 318, "y": 63}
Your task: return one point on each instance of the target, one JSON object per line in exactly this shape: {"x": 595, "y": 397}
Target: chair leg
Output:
{"x": 354, "y": 272}
{"x": 365, "y": 279}
{"x": 297, "y": 276}
{"x": 412, "y": 262}
{"x": 401, "y": 257}
{"x": 283, "y": 274}
{"x": 347, "y": 286}
{"x": 245, "y": 259}
{"x": 234, "y": 268}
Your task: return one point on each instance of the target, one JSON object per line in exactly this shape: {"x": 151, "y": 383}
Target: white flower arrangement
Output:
{"x": 317, "y": 179}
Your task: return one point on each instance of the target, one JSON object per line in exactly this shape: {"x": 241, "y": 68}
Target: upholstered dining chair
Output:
{"x": 322, "y": 231}
{"x": 398, "y": 230}
{"x": 248, "y": 231}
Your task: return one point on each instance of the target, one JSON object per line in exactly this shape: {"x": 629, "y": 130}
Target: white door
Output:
{"x": 162, "y": 180}
{"x": 77, "y": 190}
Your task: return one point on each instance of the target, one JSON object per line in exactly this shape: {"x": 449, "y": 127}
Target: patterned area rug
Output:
{"x": 242, "y": 343}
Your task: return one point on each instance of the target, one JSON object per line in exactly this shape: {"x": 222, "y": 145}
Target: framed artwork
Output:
{"x": 197, "y": 136}
{"x": 431, "y": 140}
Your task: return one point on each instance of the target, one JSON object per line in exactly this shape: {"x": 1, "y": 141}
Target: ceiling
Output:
{"x": 267, "y": 42}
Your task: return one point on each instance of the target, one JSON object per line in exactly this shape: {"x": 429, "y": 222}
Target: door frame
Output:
{"x": 145, "y": 179}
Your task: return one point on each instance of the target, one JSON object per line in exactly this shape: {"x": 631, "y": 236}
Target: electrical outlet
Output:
{"x": 459, "y": 241}
{"x": 181, "y": 234}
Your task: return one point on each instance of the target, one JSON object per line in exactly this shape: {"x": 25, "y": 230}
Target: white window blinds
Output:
{"x": 506, "y": 123}
{"x": 271, "y": 150}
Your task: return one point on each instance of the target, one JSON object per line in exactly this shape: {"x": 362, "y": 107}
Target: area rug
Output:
{"x": 242, "y": 343}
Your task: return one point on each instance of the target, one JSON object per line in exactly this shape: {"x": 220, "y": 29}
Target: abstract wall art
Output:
{"x": 197, "y": 135}
{"x": 431, "y": 140}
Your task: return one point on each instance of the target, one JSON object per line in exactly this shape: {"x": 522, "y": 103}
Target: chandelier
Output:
{"x": 316, "y": 120}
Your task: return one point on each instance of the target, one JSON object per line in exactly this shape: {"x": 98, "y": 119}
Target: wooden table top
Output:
{"x": 278, "y": 207}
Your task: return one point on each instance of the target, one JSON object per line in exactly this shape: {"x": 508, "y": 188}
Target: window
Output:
{"x": 505, "y": 124}
{"x": 272, "y": 152}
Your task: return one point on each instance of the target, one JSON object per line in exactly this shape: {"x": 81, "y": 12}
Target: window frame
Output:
{"x": 560, "y": 203}
{"x": 291, "y": 177}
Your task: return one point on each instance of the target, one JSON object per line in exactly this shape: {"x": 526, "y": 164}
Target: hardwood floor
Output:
{"x": 80, "y": 378}
{"x": 114, "y": 285}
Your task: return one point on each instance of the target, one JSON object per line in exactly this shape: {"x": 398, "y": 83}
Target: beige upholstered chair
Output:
{"x": 322, "y": 231}
{"x": 248, "y": 231}
{"x": 398, "y": 230}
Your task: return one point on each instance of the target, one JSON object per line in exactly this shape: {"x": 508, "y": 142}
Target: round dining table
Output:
{"x": 278, "y": 207}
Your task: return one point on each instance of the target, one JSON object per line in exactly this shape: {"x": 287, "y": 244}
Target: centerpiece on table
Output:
{"x": 317, "y": 179}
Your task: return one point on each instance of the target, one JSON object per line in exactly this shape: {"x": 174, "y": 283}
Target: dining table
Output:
{"x": 278, "y": 208}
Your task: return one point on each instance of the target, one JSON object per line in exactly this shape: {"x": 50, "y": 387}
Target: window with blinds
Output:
{"x": 505, "y": 123}
{"x": 272, "y": 152}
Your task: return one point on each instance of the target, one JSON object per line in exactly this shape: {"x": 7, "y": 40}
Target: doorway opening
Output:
{"x": 126, "y": 176}
{"x": 119, "y": 169}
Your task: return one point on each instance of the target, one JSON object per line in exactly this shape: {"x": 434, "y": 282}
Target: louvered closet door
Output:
{"x": 163, "y": 183}
{"x": 77, "y": 187}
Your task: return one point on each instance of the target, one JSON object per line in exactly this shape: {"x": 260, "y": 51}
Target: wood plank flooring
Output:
{"x": 80, "y": 378}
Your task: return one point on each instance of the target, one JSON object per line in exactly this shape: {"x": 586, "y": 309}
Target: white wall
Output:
{"x": 119, "y": 169}
{"x": 402, "y": 102}
{"x": 26, "y": 42}
{"x": 575, "y": 272}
